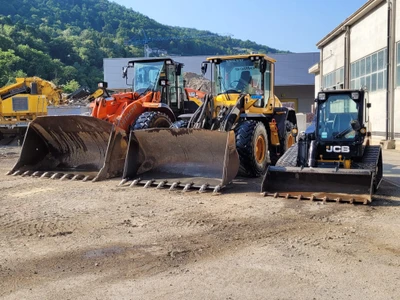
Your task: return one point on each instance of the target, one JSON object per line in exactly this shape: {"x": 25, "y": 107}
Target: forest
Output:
{"x": 65, "y": 41}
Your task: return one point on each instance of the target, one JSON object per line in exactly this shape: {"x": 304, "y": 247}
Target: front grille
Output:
{"x": 20, "y": 103}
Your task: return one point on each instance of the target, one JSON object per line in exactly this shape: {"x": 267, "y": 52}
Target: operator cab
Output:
{"x": 245, "y": 74}
{"x": 340, "y": 123}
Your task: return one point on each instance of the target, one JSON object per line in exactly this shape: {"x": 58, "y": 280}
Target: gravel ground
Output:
{"x": 83, "y": 240}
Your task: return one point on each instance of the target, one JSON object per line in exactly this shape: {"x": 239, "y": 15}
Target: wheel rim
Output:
{"x": 260, "y": 149}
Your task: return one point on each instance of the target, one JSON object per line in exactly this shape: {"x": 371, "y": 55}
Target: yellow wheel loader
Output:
{"x": 23, "y": 101}
{"x": 333, "y": 160}
{"x": 94, "y": 147}
{"x": 241, "y": 127}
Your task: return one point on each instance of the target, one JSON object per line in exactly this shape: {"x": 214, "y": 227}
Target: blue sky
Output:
{"x": 294, "y": 25}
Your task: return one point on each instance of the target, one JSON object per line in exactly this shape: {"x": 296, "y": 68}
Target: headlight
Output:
{"x": 363, "y": 130}
{"x": 321, "y": 96}
{"x": 102, "y": 85}
{"x": 355, "y": 95}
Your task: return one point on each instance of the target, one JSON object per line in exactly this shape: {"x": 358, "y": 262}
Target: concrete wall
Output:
{"x": 377, "y": 112}
{"x": 369, "y": 35}
{"x": 317, "y": 84}
{"x": 333, "y": 55}
{"x": 304, "y": 94}
{"x": 372, "y": 28}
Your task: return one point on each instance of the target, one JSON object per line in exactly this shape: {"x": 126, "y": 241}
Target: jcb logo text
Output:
{"x": 338, "y": 149}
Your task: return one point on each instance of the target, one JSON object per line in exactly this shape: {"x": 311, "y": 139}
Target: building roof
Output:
{"x": 355, "y": 17}
{"x": 290, "y": 68}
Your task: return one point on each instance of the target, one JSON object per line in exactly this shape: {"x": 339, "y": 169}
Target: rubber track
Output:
{"x": 370, "y": 158}
{"x": 289, "y": 158}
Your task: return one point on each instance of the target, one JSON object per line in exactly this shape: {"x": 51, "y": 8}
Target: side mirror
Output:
{"x": 355, "y": 125}
{"x": 204, "y": 68}
{"x": 179, "y": 70}
{"x": 125, "y": 72}
{"x": 263, "y": 66}
{"x": 102, "y": 85}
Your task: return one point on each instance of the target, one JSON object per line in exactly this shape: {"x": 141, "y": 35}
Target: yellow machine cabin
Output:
{"x": 25, "y": 100}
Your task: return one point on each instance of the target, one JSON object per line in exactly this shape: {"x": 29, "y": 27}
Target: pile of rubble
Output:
{"x": 197, "y": 82}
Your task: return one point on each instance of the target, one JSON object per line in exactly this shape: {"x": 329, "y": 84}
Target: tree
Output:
{"x": 71, "y": 86}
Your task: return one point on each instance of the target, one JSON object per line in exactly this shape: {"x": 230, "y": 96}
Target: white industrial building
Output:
{"x": 293, "y": 83}
{"x": 364, "y": 52}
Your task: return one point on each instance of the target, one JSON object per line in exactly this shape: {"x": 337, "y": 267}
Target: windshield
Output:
{"x": 238, "y": 76}
{"x": 335, "y": 116}
{"x": 146, "y": 75}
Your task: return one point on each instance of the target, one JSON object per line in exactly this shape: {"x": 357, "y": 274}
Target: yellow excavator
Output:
{"x": 25, "y": 100}
{"x": 240, "y": 128}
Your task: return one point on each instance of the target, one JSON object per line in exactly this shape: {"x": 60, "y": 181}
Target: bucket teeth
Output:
{"x": 78, "y": 177}
{"x": 37, "y": 174}
{"x": 27, "y": 173}
{"x": 187, "y": 187}
{"x": 161, "y": 184}
{"x": 149, "y": 183}
{"x": 86, "y": 178}
{"x": 56, "y": 175}
{"x": 135, "y": 182}
{"x": 174, "y": 185}
{"x": 9, "y": 173}
{"x": 65, "y": 176}
{"x": 203, "y": 188}
{"x": 16, "y": 173}
{"x": 123, "y": 181}
{"x": 217, "y": 189}
{"x": 46, "y": 175}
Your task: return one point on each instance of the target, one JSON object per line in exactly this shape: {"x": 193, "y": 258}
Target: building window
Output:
{"x": 334, "y": 80}
{"x": 370, "y": 71}
{"x": 398, "y": 65}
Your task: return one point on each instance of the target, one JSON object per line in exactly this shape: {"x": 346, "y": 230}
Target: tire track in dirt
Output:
{"x": 115, "y": 262}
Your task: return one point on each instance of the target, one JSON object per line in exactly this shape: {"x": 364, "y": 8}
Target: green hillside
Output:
{"x": 67, "y": 40}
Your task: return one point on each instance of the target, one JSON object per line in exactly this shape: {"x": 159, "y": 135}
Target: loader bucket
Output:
{"x": 319, "y": 184}
{"x": 72, "y": 147}
{"x": 181, "y": 158}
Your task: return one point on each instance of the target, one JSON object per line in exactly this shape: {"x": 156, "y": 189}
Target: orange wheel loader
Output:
{"x": 94, "y": 147}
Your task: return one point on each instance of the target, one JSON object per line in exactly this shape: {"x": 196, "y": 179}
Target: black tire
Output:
{"x": 248, "y": 134}
{"x": 289, "y": 158}
{"x": 180, "y": 124}
{"x": 152, "y": 119}
{"x": 277, "y": 152}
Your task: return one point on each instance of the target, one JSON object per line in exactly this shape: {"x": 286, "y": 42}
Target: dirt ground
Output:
{"x": 84, "y": 240}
